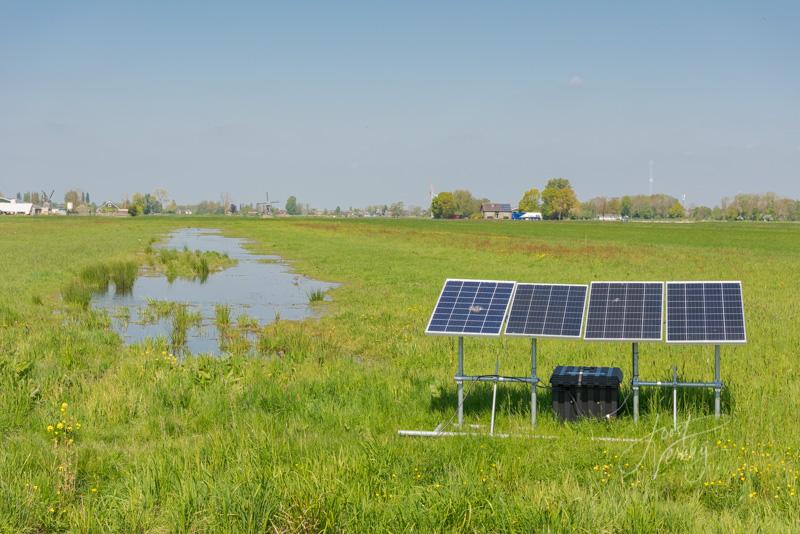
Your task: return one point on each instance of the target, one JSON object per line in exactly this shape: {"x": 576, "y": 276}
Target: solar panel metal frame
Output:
{"x": 472, "y": 334}
{"x": 661, "y": 321}
{"x": 705, "y": 341}
{"x": 514, "y": 296}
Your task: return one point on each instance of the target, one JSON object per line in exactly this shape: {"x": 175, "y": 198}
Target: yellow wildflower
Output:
{"x": 63, "y": 406}
{"x": 49, "y": 428}
{"x": 60, "y": 425}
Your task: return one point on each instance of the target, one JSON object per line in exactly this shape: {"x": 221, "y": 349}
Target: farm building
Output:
{"x": 496, "y": 211}
{"x": 10, "y": 206}
{"x": 109, "y": 209}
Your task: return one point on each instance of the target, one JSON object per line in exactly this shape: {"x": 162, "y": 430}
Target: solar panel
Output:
{"x": 625, "y": 311}
{"x": 705, "y": 312}
{"x": 547, "y": 310}
{"x": 471, "y": 308}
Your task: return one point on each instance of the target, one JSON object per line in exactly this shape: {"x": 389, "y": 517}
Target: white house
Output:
{"x": 10, "y": 206}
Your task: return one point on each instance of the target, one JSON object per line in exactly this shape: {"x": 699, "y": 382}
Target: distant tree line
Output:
{"x": 556, "y": 201}
{"x": 658, "y": 206}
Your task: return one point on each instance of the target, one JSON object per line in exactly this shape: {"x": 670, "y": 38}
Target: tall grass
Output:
{"x": 316, "y": 295}
{"x": 222, "y": 315}
{"x": 123, "y": 275}
{"x": 97, "y": 276}
{"x": 194, "y": 265}
{"x": 302, "y": 435}
{"x": 182, "y": 320}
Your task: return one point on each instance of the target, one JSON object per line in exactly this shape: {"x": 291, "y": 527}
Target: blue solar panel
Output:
{"x": 705, "y": 312}
{"x": 471, "y": 308}
{"x": 547, "y": 310}
{"x": 625, "y": 311}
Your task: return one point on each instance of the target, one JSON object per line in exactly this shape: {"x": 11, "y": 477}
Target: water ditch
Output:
{"x": 198, "y": 314}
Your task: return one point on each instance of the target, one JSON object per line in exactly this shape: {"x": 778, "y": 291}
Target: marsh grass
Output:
{"x": 182, "y": 320}
{"x": 245, "y": 322}
{"x": 317, "y": 295}
{"x": 96, "y": 276}
{"x": 180, "y": 317}
{"x": 222, "y": 316}
{"x": 76, "y": 292}
{"x": 191, "y": 265}
{"x": 123, "y": 275}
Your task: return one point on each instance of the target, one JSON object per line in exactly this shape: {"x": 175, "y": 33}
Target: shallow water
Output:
{"x": 258, "y": 286}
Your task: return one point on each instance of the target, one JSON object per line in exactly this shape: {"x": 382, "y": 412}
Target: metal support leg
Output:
{"x": 533, "y": 384}
{"x": 460, "y": 384}
{"x": 674, "y": 398}
{"x": 635, "y": 382}
{"x": 494, "y": 394}
{"x": 718, "y": 380}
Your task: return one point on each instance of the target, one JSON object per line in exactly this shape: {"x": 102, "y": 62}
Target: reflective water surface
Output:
{"x": 258, "y": 286}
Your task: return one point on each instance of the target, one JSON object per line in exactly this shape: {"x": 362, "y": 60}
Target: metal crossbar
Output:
{"x": 717, "y": 384}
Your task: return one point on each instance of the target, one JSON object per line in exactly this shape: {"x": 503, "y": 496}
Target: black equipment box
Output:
{"x": 585, "y": 391}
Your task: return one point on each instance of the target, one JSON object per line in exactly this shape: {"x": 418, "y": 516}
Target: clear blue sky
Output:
{"x": 358, "y": 103}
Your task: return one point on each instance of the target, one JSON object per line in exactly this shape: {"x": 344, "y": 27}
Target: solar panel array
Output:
{"x": 547, "y": 310}
{"x": 710, "y": 312}
{"x": 697, "y": 312}
{"x": 471, "y": 308}
{"x": 625, "y": 311}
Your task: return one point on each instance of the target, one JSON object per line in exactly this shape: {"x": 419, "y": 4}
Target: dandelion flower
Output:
{"x": 49, "y": 428}
{"x": 64, "y": 406}
{"x": 60, "y": 425}
{"x": 94, "y": 490}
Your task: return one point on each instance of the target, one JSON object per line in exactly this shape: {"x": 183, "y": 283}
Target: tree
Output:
{"x": 291, "y": 206}
{"x": 161, "y": 195}
{"x": 443, "y": 206}
{"x": 558, "y": 198}
{"x": 397, "y": 209}
{"x": 625, "y": 206}
{"x": 677, "y": 211}
{"x": 72, "y": 196}
{"x": 530, "y": 200}
{"x": 465, "y": 203}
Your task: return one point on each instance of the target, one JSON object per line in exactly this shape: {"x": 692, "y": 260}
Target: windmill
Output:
{"x": 651, "y": 177}
{"x": 47, "y": 200}
{"x": 265, "y": 208}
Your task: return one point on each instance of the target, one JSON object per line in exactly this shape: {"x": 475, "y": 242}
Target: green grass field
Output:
{"x": 304, "y": 437}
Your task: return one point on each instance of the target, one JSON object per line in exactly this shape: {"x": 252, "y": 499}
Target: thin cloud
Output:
{"x": 576, "y": 81}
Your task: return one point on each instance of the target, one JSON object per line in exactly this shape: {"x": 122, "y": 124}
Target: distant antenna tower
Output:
{"x": 651, "y": 177}
{"x": 431, "y": 194}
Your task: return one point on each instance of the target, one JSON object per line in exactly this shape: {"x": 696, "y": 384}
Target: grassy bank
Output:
{"x": 303, "y": 437}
